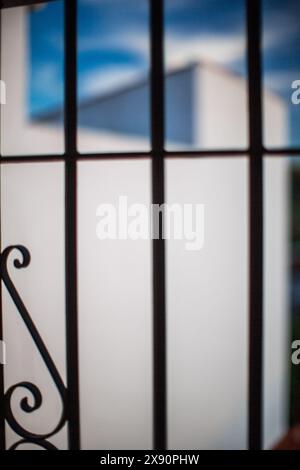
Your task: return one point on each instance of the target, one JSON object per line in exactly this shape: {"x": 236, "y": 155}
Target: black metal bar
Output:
{"x": 280, "y": 152}
{"x": 31, "y": 159}
{"x": 22, "y": 3}
{"x": 71, "y": 222}
{"x": 125, "y": 155}
{"x": 2, "y": 407}
{"x": 159, "y": 296}
{"x": 2, "y": 395}
{"x": 256, "y": 226}
{"x": 167, "y": 153}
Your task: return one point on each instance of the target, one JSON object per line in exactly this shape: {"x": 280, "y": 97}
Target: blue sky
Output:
{"x": 113, "y": 44}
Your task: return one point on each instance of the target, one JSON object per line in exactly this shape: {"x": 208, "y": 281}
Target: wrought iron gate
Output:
{"x": 69, "y": 391}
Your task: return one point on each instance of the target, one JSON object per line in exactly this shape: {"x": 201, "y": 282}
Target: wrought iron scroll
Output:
{"x": 28, "y": 437}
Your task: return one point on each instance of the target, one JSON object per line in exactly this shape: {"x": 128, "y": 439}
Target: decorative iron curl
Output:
{"x": 28, "y": 436}
{"x": 40, "y": 443}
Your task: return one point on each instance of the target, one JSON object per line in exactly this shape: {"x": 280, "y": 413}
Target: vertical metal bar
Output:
{"x": 2, "y": 408}
{"x": 256, "y": 225}
{"x": 2, "y": 414}
{"x": 159, "y": 296}
{"x": 71, "y": 221}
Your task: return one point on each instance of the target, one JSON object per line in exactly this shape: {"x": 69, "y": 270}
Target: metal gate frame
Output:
{"x": 255, "y": 152}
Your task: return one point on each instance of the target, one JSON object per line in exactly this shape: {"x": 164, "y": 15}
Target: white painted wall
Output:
{"x": 221, "y": 115}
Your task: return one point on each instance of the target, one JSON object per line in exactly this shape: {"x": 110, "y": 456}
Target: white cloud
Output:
{"x": 100, "y": 81}
{"x": 183, "y": 49}
{"x": 220, "y": 49}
